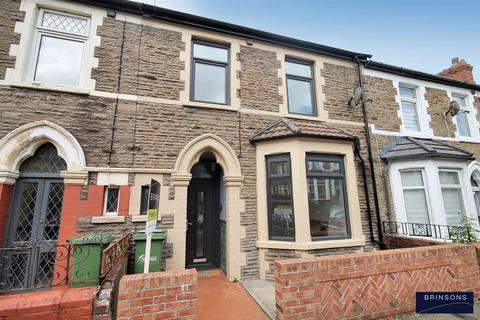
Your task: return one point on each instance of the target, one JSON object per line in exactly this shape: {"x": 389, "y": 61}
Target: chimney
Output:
{"x": 459, "y": 70}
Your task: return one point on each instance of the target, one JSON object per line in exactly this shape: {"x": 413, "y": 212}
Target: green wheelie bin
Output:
{"x": 87, "y": 259}
{"x": 158, "y": 238}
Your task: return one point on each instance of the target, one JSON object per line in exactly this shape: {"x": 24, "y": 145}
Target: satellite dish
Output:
{"x": 454, "y": 108}
{"x": 356, "y": 97}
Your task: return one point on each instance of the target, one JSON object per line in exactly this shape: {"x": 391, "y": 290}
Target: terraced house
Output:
{"x": 262, "y": 149}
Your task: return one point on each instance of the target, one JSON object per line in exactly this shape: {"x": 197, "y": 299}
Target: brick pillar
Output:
{"x": 6, "y": 191}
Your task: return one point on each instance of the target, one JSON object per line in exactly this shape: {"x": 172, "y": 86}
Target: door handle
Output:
{"x": 189, "y": 224}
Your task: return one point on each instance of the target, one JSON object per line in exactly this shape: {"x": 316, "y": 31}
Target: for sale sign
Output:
{"x": 153, "y": 204}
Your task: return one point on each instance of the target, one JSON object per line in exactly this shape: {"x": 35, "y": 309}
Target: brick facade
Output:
{"x": 148, "y": 65}
{"x": 371, "y": 285}
{"x": 165, "y": 295}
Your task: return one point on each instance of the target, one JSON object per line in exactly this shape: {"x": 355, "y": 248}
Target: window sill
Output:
{"x": 210, "y": 106}
{"x": 326, "y": 244}
{"x": 139, "y": 218}
{"x": 108, "y": 219}
{"x": 49, "y": 87}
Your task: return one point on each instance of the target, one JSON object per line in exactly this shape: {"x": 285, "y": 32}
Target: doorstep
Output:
{"x": 263, "y": 292}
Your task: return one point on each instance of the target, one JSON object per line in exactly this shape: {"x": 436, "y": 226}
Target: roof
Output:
{"x": 408, "y": 147}
{"x": 222, "y": 27}
{"x": 288, "y": 128}
{"x": 419, "y": 75}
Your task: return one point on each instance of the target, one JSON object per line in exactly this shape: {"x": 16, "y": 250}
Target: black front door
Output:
{"x": 203, "y": 237}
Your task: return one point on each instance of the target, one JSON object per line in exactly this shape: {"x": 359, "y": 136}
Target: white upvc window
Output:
{"x": 462, "y": 117}
{"x": 111, "y": 201}
{"x": 452, "y": 196}
{"x": 409, "y": 108}
{"x": 59, "y": 48}
{"x": 414, "y": 196}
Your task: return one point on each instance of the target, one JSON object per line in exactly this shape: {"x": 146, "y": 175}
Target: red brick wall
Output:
{"x": 165, "y": 295}
{"x": 53, "y": 304}
{"x": 399, "y": 242}
{"x": 371, "y": 285}
{"x": 74, "y": 207}
{"x": 5, "y": 197}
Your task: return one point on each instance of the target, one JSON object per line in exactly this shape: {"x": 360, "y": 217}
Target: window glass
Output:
{"x": 280, "y": 200}
{"x": 461, "y": 118}
{"x": 144, "y": 199}
{"x": 408, "y": 92}
{"x": 326, "y": 198}
{"x": 322, "y": 166}
{"x": 210, "y": 83}
{"x": 300, "y": 88}
{"x": 476, "y": 193}
{"x": 298, "y": 69}
{"x": 59, "y": 61}
{"x": 210, "y": 52}
{"x": 210, "y": 73}
{"x": 414, "y": 197}
{"x": 452, "y": 197}
{"x": 300, "y": 97}
{"x": 111, "y": 200}
{"x": 410, "y": 116}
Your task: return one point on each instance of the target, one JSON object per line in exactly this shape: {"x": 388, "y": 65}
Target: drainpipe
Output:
{"x": 370, "y": 156}
{"x": 387, "y": 193}
{"x": 365, "y": 187}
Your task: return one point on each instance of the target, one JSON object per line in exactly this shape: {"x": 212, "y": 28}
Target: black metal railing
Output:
{"x": 31, "y": 266}
{"x": 436, "y": 231}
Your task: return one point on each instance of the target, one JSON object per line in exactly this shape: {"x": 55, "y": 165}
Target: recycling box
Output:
{"x": 87, "y": 259}
{"x": 158, "y": 238}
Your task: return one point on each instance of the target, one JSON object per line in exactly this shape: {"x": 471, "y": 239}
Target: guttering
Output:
{"x": 374, "y": 65}
{"x": 370, "y": 156}
{"x": 191, "y": 20}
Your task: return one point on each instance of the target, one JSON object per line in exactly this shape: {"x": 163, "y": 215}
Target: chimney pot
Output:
{"x": 454, "y": 60}
{"x": 459, "y": 70}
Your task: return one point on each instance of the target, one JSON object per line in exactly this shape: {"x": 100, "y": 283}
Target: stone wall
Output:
{"x": 372, "y": 285}
{"x": 9, "y": 14}
{"x": 163, "y": 295}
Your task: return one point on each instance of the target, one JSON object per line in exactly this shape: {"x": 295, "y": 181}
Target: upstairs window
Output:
{"x": 280, "y": 198}
{"x": 59, "y": 48}
{"x": 461, "y": 118}
{"x": 409, "y": 108}
{"x": 210, "y": 73}
{"x": 112, "y": 197}
{"x": 300, "y": 87}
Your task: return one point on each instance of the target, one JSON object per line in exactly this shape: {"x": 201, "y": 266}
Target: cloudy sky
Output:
{"x": 418, "y": 34}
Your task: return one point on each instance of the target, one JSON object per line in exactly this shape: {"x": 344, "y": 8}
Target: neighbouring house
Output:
{"x": 259, "y": 149}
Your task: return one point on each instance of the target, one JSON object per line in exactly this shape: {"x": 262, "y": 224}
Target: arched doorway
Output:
{"x": 203, "y": 214}
{"x": 34, "y": 220}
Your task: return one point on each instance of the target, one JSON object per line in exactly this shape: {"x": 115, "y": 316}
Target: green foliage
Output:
{"x": 467, "y": 233}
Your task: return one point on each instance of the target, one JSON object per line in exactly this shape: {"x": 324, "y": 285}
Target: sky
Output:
{"x": 422, "y": 35}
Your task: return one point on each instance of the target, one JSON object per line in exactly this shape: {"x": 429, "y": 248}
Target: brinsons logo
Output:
{"x": 142, "y": 258}
{"x": 444, "y": 302}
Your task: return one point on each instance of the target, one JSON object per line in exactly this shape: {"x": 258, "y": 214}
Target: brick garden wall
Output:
{"x": 52, "y": 304}
{"x": 399, "y": 242}
{"x": 372, "y": 285}
{"x": 167, "y": 295}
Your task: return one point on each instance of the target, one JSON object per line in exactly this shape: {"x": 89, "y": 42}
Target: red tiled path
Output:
{"x": 219, "y": 299}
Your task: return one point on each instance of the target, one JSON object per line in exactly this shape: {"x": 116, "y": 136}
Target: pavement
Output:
{"x": 219, "y": 299}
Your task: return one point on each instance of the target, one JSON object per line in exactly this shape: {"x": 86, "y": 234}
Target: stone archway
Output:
{"x": 22, "y": 142}
{"x": 233, "y": 180}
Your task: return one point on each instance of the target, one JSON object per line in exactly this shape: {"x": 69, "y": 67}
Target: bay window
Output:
{"x": 280, "y": 200}
{"x": 326, "y": 197}
{"x": 452, "y": 196}
{"x": 414, "y": 196}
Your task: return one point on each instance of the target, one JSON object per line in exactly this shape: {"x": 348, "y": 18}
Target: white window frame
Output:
{"x": 432, "y": 187}
{"x": 411, "y": 100}
{"x": 423, "y": 187}
{"x": 105, "y": 198}
{"x": 461, "y": 186}
{"x": 43, "y": 31}
{"x": 471, "y": 119}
